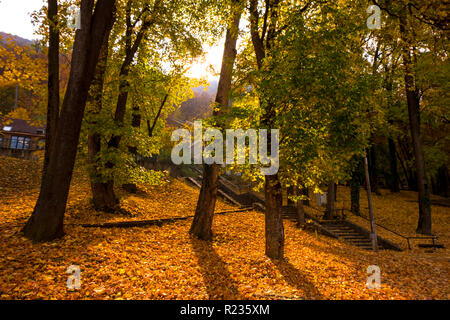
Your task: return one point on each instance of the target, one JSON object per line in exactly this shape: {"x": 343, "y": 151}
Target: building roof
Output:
{"x": 20, "y": 126}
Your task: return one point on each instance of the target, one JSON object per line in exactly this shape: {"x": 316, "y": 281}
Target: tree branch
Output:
{"x": 150, "y": 129}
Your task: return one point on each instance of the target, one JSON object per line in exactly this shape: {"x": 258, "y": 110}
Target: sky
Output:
{"x": 15, "y": 19}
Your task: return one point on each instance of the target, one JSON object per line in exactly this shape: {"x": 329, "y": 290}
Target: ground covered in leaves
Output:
{"x": 164, "y": 262}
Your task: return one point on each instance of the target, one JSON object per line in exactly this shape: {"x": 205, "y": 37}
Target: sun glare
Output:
{"x": 207, "y": 66}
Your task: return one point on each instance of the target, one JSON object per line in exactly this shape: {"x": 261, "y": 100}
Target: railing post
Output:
{"x": 373, "y": 233}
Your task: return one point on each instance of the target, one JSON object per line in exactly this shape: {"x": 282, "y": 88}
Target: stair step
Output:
{"x": 357, "y": 236}
{"x": 361, "y": 244}
{"x": 338, "y": 227}
{"x": 344, "y": 233}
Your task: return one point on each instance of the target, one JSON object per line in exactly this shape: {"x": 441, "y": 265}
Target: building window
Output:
{"x": 20, "y": 143}
{"x": 13, "y": 144}
{"x": 26, "y": 143}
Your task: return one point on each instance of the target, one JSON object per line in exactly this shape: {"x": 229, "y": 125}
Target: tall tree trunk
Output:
{"x": 135, "y": 123}
{"x": 151, "y": 128}
{"x": 354, "y": 196}
{"x": 424, "y": 224}
{"x": 373, "y": 170}
{"x": 204, "y": 212}
{"x": 300, "y": 208}
{"x": 442, "y": 181}
{"x": 274, "y": 202}
{"x": 409, "y": 176}
{"x": 46, "y": 221}
{"x": 131, "y": 49}
{"x": 53, "y": 81}
{"x": 335, "y": 191}
{"x": 395, "y": 180}
{"x": 103, "y": 196}
{"x": 329, "y": 212}
{"x": 305, "y": 192}
{"x": 202, "y": 225}
{"x": 272, "y": 187}
{"x": 273, "y": 219}
{"x": 372, "y": 150}
{"x": 355, "y": 186}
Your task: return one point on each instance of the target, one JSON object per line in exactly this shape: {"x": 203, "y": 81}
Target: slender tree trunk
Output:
{"x": 272, "y": 188}
{"x": 53, "y": 81}
{"x": 300, "y": 209}
{"x": 204, "y": 212}
{"x": 373, "y": 170}
{"x": 394, "y": 183}
{"x": 151, "y": 128}
{"x": 354, "y": 194}
{"x": 442, "y": 181}
{"x": 103, "y": 196}
{"x": 424, "y": 224}
{"x": 135, "y": 123}
{"x": 372, "y": 150}
{"x": 46, "y": 221}
{"x": 131, "y": 49}
{"x": 273, "y": 219}
{"x": 202, "y": 225}
{"x": 305, "y": 192}
{"x": 434, "y": 186}
{"x": 409, "y": 177}
{"x": 395, "y": 180}
{"x": 335, "y": 191}
{"x": 274, "y": 229}
{"x": 329, "y": 212}
{"x": 355, "y": 186}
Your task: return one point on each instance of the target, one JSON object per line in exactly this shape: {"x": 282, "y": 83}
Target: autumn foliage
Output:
{"x": 164, "y": 262}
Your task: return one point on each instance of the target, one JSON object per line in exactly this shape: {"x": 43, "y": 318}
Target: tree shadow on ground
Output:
{"x": 297, "y": 279}
{"x": 218, "y": 281}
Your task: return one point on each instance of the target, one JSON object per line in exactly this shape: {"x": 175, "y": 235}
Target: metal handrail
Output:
{"x": 432, "y": 238}
{"x": 407, "y": 238}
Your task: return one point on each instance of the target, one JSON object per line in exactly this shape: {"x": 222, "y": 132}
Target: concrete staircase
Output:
{"x": 339, "y": 229}
{"x": 348, "y": 234}
{"x": 343, "y": 230}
